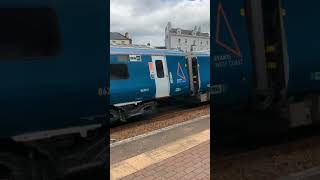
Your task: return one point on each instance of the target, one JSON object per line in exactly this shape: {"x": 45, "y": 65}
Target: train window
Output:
{"x": 123, "y": 58}
{"x": 159, "y": 67}
{"x": 28, "y": 32}
{"x": 119, "y": 72}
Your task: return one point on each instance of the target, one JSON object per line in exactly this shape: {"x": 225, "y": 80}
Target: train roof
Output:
{"x": 144, "y": 50}
{"x": 141, "y": 49}
{"x": 200, "y": 53}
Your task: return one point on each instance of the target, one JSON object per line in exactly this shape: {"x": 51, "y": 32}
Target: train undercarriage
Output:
{"x": 53, "y": 158}
{"x": 124, "y": 112}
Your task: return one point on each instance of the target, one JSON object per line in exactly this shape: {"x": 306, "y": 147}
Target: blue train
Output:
{"x": 52, "y": 68}
{"x": 266, "y": 60}
{"x": 141, "y": 76}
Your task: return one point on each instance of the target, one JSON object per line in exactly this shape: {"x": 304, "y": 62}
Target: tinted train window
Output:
{"x": 159, "y": 66}
{"x": 119, "y": 71}
{"x": 28, "y": 32}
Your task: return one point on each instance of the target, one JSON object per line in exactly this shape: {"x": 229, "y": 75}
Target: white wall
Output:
{"x": 173, "y": 42}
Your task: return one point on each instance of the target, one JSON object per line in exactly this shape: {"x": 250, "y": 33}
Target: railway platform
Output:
{"x": 180, "y": 151}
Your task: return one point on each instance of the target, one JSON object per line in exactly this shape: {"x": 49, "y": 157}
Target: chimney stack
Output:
{"x": 126, "y": 35}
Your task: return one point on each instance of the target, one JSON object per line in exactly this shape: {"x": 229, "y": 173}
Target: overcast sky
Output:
{"x": 145, "y": 20}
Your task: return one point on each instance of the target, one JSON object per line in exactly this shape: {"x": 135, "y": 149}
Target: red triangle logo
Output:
{"x": 236, "y": 49}
{"x": 180, "y": 72}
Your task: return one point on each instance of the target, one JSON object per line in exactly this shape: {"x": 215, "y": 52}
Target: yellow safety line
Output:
{"x": 139, "y": 162}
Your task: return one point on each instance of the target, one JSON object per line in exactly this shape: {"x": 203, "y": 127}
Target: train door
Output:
{"x": 274, "y": 45}
{"x": 194, "y": 73}
{"x": 161, "y": 76}
{"x": 267, "y": 41}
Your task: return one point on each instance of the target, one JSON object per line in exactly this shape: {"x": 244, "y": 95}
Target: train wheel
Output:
{"x": 113, "y": 116}
{"x": 117, "y": 116}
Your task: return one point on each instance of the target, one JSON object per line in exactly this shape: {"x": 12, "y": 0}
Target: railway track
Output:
{"x": 240, "y": 144}
{"x": 264, "y": 156}
{"x": 97, "y": 173}
{"x": 269, "y": 156}
{"x": 166, "y": 115}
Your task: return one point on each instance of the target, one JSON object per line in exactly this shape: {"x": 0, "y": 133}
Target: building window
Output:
{"x": 114, "y": 41}
{"x": 201, "y": 42}
{"x": 119, "y": 71}
{"x": 186, "y": 41}
{"x": 207, "y": 43}
{"x": 159, "y": 68}
{"x": 179, "y": 31}
{"x": 122, "y": 42}
{"x": 29, "y": 32}
{"x": 194, "y": 42}
{"x": 179, "y": 41}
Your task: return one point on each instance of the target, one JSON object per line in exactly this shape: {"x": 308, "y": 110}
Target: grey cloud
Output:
{"x": 145, "y": 20}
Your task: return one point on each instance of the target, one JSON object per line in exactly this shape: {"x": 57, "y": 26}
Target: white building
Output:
{"x": 117, "y": 38}
{"x": 186, "y": 40}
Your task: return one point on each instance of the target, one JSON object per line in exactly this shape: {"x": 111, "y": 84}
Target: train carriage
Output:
{"x": 50, "y": 68}
{"x": 141, "y": 76}
{"x": 264, "y": 63}
{"x": 53, "y": 66}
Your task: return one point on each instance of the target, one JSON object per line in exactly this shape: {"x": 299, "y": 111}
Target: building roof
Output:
{"x": 118, "y": 36}
{"x": 188, "y": 32}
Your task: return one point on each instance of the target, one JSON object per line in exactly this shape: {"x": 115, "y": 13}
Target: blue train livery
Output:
{"x": 53, "y": 62}
{"x": 265, "y": 59}
{"x": 231, "y": 59}
{"x": 302, "y": 46}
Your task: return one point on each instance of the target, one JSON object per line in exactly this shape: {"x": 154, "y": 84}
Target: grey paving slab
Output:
{"x": 136, "y": 146}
